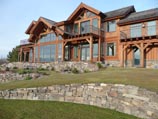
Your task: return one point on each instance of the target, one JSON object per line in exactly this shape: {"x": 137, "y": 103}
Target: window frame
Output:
{"x": 113, "y": 51}
{"x": 108, "y": 26}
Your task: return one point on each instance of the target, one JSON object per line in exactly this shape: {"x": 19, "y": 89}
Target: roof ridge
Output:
{"x": 145, "y": 10}
{"x": 48, "y": 19}
{"x": 119, "y": 9}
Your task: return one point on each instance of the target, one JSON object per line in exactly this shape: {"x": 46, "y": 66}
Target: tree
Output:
{"x": 13, "y": 55}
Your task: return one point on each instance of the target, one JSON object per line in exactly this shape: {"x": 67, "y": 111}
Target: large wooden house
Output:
{"x": 122, "y": 37}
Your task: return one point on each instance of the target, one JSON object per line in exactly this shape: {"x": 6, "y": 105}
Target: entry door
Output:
{"x": 85, "y": 54}
{"x": 136, "y": 57}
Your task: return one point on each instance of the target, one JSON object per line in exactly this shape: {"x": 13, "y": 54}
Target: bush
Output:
{"x": 52, "y": 69}
{"x": 42, "y": 69}
{"x": 99, "y": 65}
{"x": 7, "y": 69}
{"x": 28, "y": 78}
{"x": 75, "y": 71}
{"x": 24, "y": 71}
{"x": 86, "y": 71}
{"x": 15, "y": 67}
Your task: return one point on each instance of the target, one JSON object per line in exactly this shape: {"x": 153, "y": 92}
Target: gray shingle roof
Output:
{"x": 119, "y": 12}
{"x": 51, "y": 22}
{"x": 143, "y": 15}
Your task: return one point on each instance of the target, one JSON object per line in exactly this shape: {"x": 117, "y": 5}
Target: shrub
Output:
{"x": 42, "y": 69}
{"x": 52, "y": 69}
{"x": 7, "y": 69}
{"x": 21, "y": 71}
{"x": 86, "y": 71}
{"x": 24, "y": 71}
{"x": 28, "y": 78}
{"x": 15, "y": 67}
{"x": 99, "y": 65}
{"x": 75, "y": 71}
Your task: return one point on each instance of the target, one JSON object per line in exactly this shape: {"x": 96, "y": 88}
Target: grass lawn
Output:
{"x": 18, "y": 109}
{"x": 146, "y": 78}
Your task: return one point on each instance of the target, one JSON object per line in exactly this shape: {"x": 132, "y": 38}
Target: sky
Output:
{"x": 16, "y": 15}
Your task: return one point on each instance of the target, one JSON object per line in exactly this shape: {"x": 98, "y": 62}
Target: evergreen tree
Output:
{"x": 13, "y": 55}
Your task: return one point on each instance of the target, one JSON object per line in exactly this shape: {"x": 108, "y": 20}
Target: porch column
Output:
{"x": 142, "y": 55}
{"x": 99, "y": 49}
{"x": 79, "y": 53}
{"x": 25, "y": 56}
{"x": 33, "y": 55}
{"x": 21, "y": 54}
{"x": 63, "y": 51}
{"x": 91, "y": 49}
{"x": 122, "y": 55}
{"x": 132, "y": 57}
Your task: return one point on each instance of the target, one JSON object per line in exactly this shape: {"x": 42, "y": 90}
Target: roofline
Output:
{"x": 82, "y": 5}
{"x": 30, "y": 27}
{"x": 121, "y": 16}
{"x": 42, "y": 19}
{"x": 137, "y": 21}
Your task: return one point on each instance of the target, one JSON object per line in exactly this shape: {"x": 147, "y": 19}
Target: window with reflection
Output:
{"x": 47, "y": 53}
{"x": 85, "y": 27}
{"x": 68, "y": 28}
{"x": 95, "y": 50}
{"x": 111, "y": 26}
{"x": 111, "y": 49}
{"x": 95, "y": 26}
{"x": 136, "y": 30}
{"x": 59, "y": 52}
{"x": 151, "y": 28}
{"x": 60, "y": 37}
{"x": 47, "y": 37}
{"x": 90, "y": 14}
{"x": 76, "y": 28}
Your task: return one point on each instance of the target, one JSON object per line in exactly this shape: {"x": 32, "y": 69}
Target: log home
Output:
{"x": 122, "y": 37}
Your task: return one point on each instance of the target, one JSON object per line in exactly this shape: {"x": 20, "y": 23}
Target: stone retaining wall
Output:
{"x": 57, "y": 66}
{"x": 124, "y": 98}
{"x": 10, "y": 76}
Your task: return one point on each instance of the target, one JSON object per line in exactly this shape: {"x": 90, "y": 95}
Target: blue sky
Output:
{"x": 16, "y": 15}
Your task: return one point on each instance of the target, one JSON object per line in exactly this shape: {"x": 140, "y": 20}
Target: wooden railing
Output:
{"x": 86, "y": 30}
{"x": 139, "y": 32}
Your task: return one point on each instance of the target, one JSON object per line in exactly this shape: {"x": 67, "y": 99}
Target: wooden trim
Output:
{"x": 91, "y": 49}
{"x": 81, "y": 6}
{"x": 30, "y": 27}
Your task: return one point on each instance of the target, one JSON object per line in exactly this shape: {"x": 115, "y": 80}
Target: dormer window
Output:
{"x": 111, "y": 26}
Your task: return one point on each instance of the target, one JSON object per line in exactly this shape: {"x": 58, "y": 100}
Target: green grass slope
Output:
{"x": 146, "y": 78}
{"x": 22, "y": 109}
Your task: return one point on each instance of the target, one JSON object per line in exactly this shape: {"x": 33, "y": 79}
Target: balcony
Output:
{"x": 139, "y": 33}
{"x": 86, "y": 30}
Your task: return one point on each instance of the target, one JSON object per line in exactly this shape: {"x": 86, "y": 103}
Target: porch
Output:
{"x": 138, "y": 42}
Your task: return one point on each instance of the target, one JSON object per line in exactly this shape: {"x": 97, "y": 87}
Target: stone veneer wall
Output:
{"x": 151, "y": 64}
{"x": 112, "y": 63}
{"x": 124, "y": 98}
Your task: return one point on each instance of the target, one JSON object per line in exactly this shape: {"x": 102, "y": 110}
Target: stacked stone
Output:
{"x": 10, "y": 76}
{"x": 124, "y": 98}
{"x": 57, "y": 66}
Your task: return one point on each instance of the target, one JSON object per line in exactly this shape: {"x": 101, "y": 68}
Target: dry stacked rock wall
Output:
{"x": 124, "y": 98}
